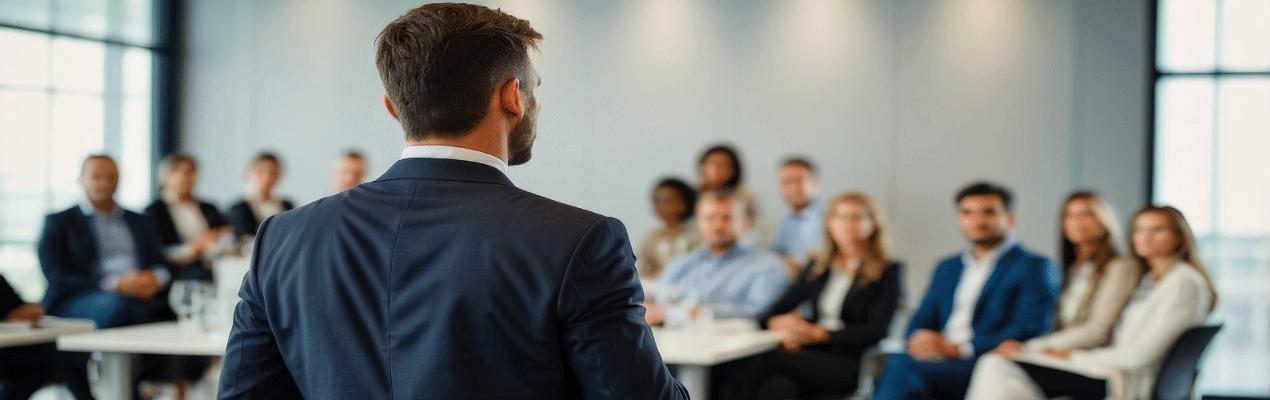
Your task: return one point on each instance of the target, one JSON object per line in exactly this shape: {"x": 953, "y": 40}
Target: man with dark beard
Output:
{"x": 441, "y": 279}
{"x": 993, "y": 292}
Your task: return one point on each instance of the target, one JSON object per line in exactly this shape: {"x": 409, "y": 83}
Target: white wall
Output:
{"x": 907, "y": 100}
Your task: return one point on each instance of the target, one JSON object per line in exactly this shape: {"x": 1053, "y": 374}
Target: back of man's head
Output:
{"x": 441, "y": 63}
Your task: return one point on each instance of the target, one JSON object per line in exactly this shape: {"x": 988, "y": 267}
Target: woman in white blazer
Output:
{"x": 1175, "y": 294}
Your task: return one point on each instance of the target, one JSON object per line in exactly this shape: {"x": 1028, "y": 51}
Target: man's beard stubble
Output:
{"x": 520, "y": 142}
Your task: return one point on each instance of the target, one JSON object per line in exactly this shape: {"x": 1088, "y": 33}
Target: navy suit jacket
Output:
{"x": 1015, "y": 303}
{"x": 442, "y": 280}
{"x": 70, "y": 260}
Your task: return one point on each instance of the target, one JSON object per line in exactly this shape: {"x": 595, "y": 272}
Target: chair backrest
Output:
{"x": 1176, "y": 380}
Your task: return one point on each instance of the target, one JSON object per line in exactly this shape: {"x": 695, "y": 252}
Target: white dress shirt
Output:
{"x": 190, "y": 223}
{"x": 834, "y": 293}
{"x": 959, "y": 330}
{"x": 116, "y": 249}
{"x": 454, "y": 153}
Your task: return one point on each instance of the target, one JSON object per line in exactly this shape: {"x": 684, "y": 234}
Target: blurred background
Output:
{"x": 1145, "y": 101}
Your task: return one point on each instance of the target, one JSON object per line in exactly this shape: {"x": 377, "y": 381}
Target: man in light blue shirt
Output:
{"x": 733, "y": 281}
{"x": 802, "y": 232}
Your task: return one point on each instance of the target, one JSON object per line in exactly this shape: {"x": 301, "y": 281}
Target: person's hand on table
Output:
{"x": 785, "y": 322}
{"x": 654, "y": 314}
{"x": 139, "y": 284}
{"x": 26, "y": 312}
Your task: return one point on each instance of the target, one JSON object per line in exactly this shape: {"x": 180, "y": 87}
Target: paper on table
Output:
{"x": 15, "y": 326}
{"x": 52, "y": 322}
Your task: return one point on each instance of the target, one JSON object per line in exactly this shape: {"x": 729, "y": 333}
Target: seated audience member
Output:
{"x": 260, "y": 201}
{"x": 349, "y": 171}
{"x": 23, "y": 369}
{"x": 190, "y": 229}
{"x": 993, "y": 292}
{"x": 801, "y": 233}
{"x": 719, "y": 169}
{"x": 673, "y": 201}
{"x": 1175, "y": 294}
{"x": 102, "y": 263}
{"x": 853, "y": 290}
{"x": 1098, "y": 282}
{"x": 732, "y": 280}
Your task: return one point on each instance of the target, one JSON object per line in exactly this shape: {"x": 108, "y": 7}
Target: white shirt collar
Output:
{"x": 454, "y": 153}
{"x": 968, "y": 258}
{"x": 87, "y": 208}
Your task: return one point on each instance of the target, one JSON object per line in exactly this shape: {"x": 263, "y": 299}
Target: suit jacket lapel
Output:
{"x": 946, "y": 307}
{"x": 998, "y": 272}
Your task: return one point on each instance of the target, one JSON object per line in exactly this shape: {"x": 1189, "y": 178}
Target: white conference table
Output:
{"x": 119, "y": 345}
{"x": 45, "y": 334}
{"x": 693, "y": 352}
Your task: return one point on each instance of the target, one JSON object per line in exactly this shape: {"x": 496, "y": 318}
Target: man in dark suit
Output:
{"x": 995, "y": 291}
{"x": 23, "y": 369}
{"x": 102, "y": 262}
{"x": 441, "y": 279}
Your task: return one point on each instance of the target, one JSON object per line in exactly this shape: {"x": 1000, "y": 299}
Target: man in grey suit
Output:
{"x": 441, "y": 279}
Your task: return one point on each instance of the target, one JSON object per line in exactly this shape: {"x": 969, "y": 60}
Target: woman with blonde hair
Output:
{"x": 1097, "y": 281}
{"x": 1175, "y": 294}
{"x": 260, "y": 202}
{"x": 193, "y": 231}
{"x": 854, "y": 289}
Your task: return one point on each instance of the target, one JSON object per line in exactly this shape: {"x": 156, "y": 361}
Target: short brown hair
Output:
{"x": 440, "y": 63}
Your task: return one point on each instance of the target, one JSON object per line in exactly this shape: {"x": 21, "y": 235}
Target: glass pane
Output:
{"x": 135, "y": 153}
{"x": 77, "y": 131}
{"x": 81, "y": 17}
{"x": 136, "y": 22}
{"x": 1245, "y": 42}
{"x": 32, "y": 14}
{"x": 1187, "y": 35}
{"x": 78, "y": 65}
{"x": 25, "y": 123}
{"x": 138, "y": 72}
{"x": 1243, "y": 139}
{"x": 1184, "y": 148}
{"x": 26, "y": 59}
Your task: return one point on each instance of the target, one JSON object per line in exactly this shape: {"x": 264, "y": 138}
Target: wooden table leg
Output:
{"x": 114, "y": 380}
{"x": 695, "y": 378}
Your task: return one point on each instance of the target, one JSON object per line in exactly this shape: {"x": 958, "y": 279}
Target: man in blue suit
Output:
{"x": 102, "y": 262}
{"x": 995, "y": 291}
{"x": 442, "y": 280}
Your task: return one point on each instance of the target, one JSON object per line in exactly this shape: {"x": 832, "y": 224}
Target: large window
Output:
{"x": 76, "y": 77}
{"x": 1212, "y": 157}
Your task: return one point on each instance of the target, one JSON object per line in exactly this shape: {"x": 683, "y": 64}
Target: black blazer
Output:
{"x": 9, "y": 298}
{"x": 442, "y": 280}
{"x": 244, "y": 220}
{"x": 866, "y": 310}
{"x": 161, "y": 215}
{"x": 68, "y": 254}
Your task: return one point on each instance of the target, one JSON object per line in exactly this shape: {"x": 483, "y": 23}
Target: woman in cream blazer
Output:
{"x": 1175, "y": 294}
{"x": 1098, "y": 281}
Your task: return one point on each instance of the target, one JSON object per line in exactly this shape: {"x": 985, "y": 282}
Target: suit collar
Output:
{"x": 1009, "y": 256}
{"x": 444, "y": 169}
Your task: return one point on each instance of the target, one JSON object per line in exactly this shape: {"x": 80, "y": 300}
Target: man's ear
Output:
{"x": 388, "y": 105}
{"x": 512, "y": 101}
